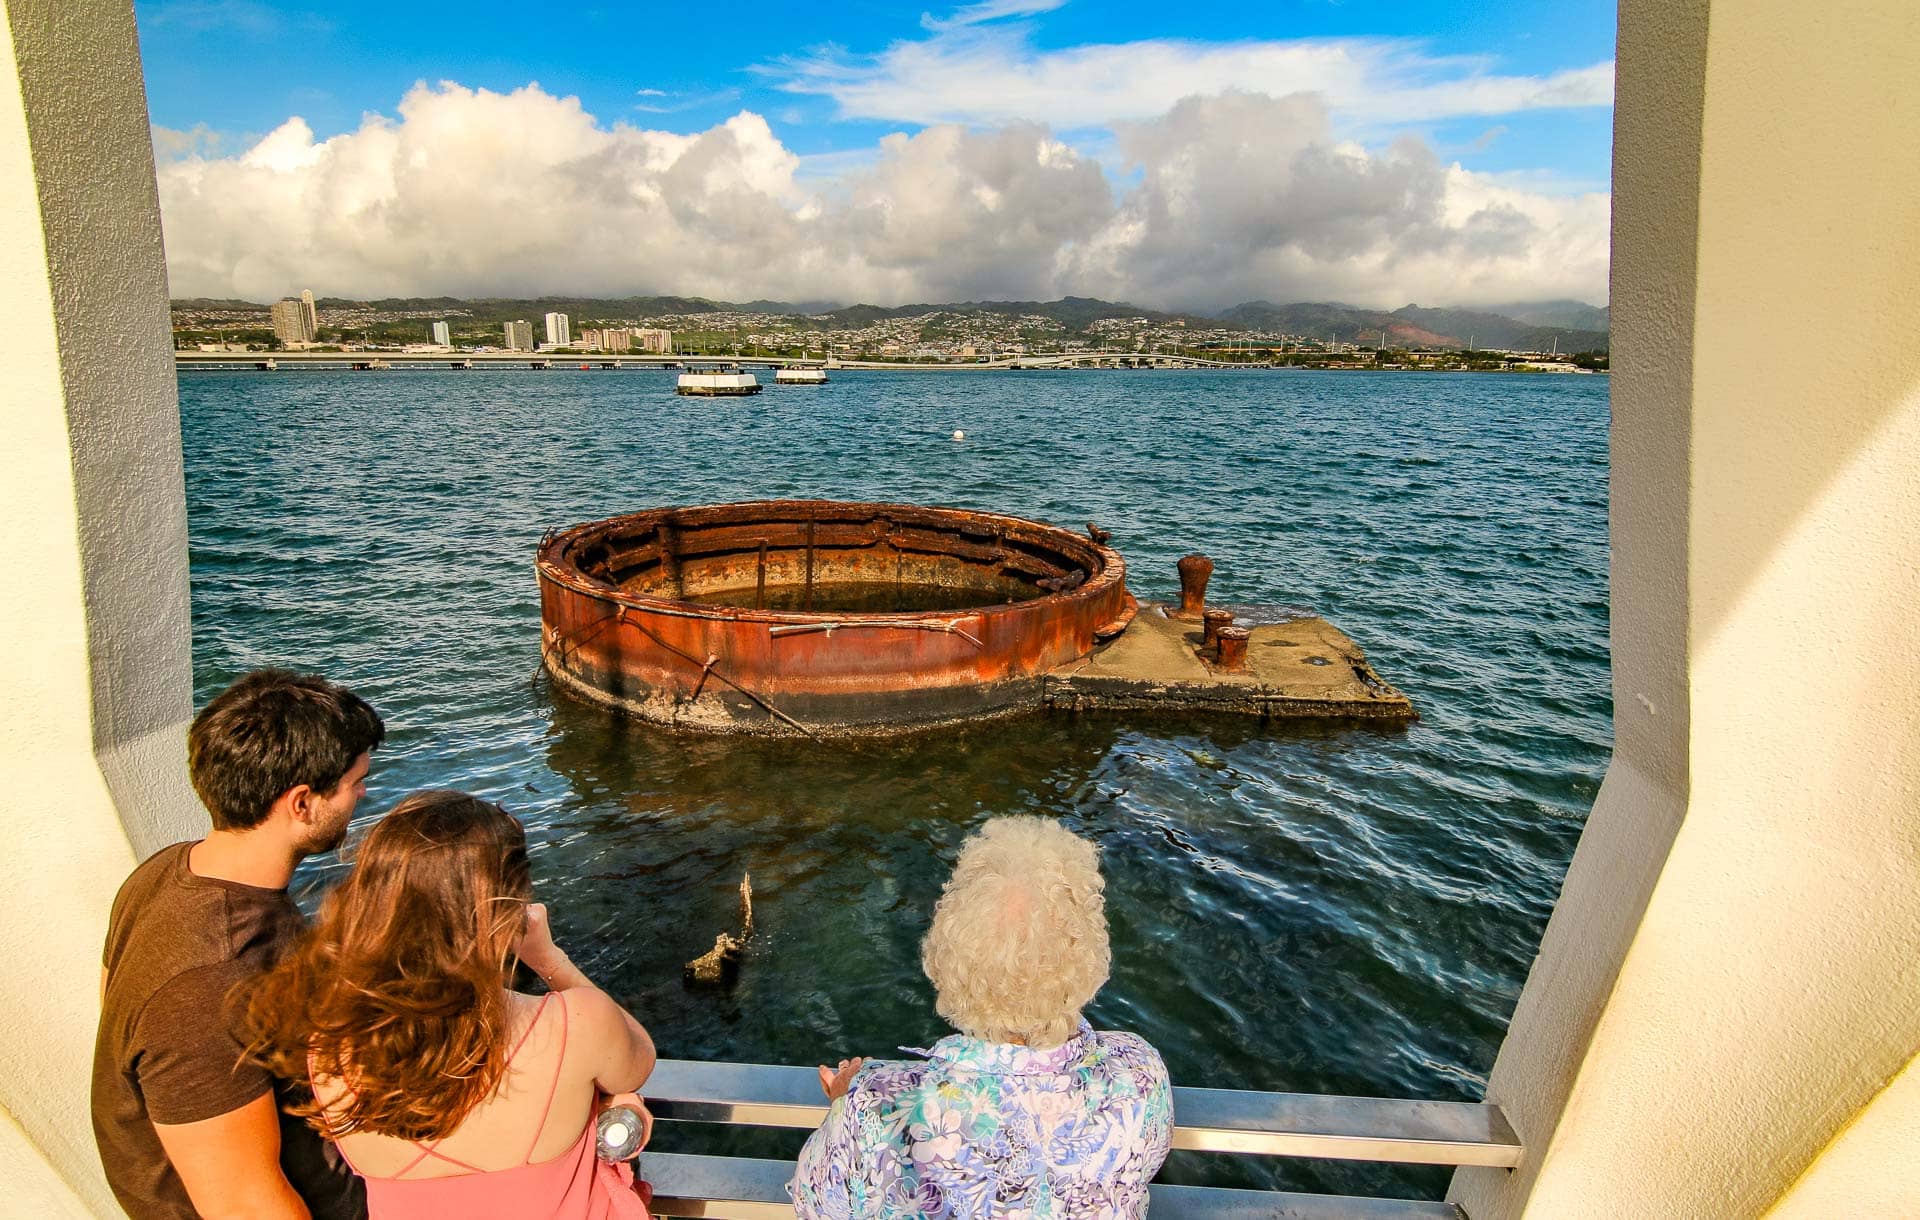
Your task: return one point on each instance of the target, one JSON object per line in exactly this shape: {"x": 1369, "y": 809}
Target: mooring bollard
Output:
{"x": 1194, "y": 573}
{"x": 1214, "y": 620}
{"x": 1233, "y": 648}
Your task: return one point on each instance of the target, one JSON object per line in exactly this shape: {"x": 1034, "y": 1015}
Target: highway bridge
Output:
{"x": 1066, "y": 360}
{"x": 373, "y": 360}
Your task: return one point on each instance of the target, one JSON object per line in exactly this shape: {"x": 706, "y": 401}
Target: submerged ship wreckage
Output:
{"x": 823, "y": 617}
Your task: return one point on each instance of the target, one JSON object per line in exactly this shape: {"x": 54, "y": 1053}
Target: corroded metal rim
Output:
{"x": 559, "y": 554}
{"x": 612, "y": 635}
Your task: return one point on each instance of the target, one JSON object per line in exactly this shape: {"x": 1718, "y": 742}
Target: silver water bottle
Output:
{"x": 618, "y": 1133}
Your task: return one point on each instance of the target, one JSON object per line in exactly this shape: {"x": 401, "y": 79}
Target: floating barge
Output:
{"x": 829, "y": 617}
{"x": 716, "y": 383}
{"x": 800, "y": 377}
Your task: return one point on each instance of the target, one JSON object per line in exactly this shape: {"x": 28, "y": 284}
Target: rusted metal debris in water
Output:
{"x": 722, "y": 962}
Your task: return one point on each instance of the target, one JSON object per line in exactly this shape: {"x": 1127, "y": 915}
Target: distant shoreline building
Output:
{"x": 558, "y": 333}
{"x": 441, "y": 334}
{"x": 313, "y": 315}
{"x": 626, "y": 339}
{"x": 292, "y": 320}
{"x": 520, "y": 336}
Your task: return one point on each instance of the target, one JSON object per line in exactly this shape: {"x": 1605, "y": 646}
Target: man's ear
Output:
{"x": 295, "y": 804}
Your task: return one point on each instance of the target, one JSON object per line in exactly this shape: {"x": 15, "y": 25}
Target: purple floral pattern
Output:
{"x": 985, "y": 1131}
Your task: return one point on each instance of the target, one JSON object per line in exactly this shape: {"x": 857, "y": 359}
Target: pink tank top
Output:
{"x": 576, "y": 1185}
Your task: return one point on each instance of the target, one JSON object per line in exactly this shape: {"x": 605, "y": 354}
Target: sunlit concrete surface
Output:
{"x": 93, "y": 629}
{"x": 1729, "y": 982}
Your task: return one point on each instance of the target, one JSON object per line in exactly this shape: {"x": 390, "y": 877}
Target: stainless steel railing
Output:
{"x": 1207, "y": 1120}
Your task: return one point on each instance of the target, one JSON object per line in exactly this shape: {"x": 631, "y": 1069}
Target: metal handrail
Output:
{"x": 744, "y": 1188}
{"x": 1207, "y": 1120}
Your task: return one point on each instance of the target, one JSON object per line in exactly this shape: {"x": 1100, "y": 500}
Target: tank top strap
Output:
{"x": 553, "y": 1086}
{"x": 528, "y": 1031}
{"x": 433, "y": 1149}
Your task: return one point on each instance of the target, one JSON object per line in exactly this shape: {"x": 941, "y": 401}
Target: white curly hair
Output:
{"x": 1019, "y": 938}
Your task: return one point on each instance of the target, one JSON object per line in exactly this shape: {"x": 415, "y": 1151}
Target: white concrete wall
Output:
{"x": 92, "y": 148}
{"x": 1868, "y": 1169}
{"x": 1769, "y": 987}
{"x": 93, "y": 630}
{"x": 34, "y": 1190}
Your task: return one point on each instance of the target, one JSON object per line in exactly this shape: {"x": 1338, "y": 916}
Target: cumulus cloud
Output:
{"x": 200, "y": 140}
{"x": 995, "y": 75}
{"x": 1233, "y": 196}
{"x": 1245, "y": 196}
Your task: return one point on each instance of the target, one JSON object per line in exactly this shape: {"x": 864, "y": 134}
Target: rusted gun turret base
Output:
{"x": 1307, "y": 668}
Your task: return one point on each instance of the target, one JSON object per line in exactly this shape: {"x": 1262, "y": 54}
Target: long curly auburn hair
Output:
{"x": 398, "y": 989}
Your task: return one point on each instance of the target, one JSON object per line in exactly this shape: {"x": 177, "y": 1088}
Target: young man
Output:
{"x": 185, "y": 1128}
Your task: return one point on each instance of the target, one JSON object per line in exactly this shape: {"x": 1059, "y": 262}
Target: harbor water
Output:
{"x": 1312, "y": 908}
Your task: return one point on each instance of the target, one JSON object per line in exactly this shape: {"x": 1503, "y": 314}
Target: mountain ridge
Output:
{"x": 1414, "y": 325}
{"x": 1529, "y": 326}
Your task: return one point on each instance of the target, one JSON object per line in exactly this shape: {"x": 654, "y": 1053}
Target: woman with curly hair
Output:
{"x": 449, "y": 1092}
{"x": 1027, "y": 1111}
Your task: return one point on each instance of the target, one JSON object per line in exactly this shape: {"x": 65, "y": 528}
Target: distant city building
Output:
{"x": 313, "y": 315}
{"x": 558, "y": 334}
{"x": 290, "y": 321}
{"x": 442, "y": 335}
{"x": 616, "y": 339}
{"x": 612, "y": 339}
{"x": 520, "y": 336}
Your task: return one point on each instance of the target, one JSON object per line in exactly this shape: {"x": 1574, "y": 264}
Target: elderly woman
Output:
{"x": 1027, "y": 1111}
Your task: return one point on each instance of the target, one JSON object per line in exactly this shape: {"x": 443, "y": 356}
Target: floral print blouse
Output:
{"x": 985, "y": 1131}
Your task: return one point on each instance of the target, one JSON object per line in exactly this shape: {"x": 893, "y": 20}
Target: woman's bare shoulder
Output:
{"x": 589, "y": 1009}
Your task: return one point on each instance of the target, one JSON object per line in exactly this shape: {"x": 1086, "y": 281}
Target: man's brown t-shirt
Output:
{"x": 168, "y": 1051}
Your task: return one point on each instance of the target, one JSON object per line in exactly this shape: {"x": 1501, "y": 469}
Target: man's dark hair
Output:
{"x": 271, "y": 731}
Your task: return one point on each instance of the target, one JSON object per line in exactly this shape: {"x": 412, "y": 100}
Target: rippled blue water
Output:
{"x": 1315, "y": 909}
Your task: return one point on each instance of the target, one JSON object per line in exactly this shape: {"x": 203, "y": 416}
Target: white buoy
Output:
{"x": 959, "y": 435}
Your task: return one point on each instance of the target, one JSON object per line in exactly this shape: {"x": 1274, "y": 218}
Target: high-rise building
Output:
{"x": 558, "y": 334}
{"x": 441, "y": 335}
{"x": 520, "y": 336}
{"x": 313, "y": 315}
{"x": 290, "y": 321}
{"x": 660, "y": 341}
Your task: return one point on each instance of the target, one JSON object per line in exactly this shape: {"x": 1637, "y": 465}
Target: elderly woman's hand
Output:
{"x": 834, "y": 1083}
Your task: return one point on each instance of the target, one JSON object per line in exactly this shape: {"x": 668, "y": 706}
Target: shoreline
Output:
{"x": 382, "y": 361}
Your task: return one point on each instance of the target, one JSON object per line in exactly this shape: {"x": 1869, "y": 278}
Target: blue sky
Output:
{"x": 1517, "y": 92}
{"x": 244, "y": 66}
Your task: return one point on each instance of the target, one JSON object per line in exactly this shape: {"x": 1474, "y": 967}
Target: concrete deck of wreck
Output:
{"x": 1303, "y": 668}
